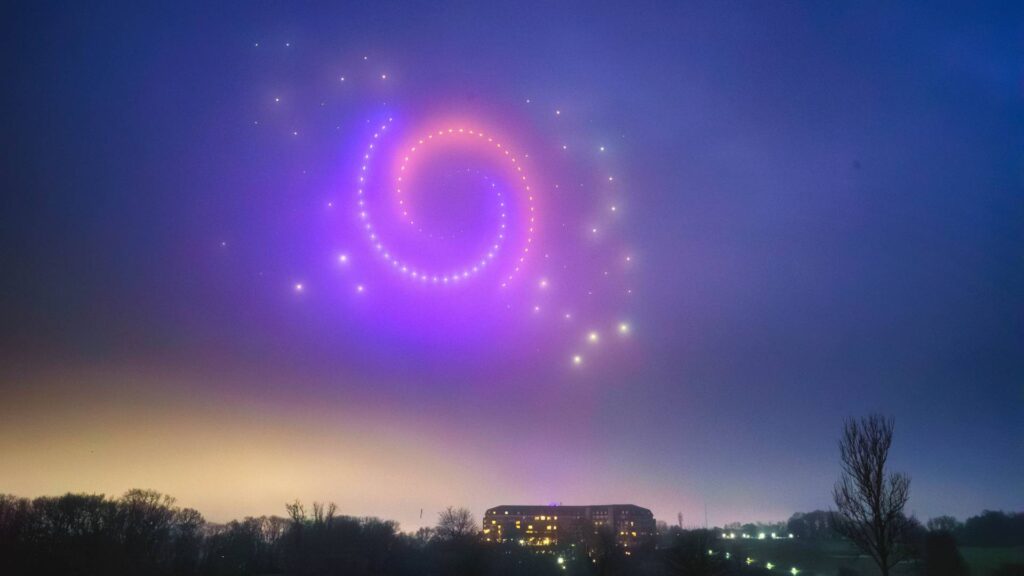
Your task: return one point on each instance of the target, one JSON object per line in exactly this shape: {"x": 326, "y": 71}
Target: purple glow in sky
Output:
{"x": 450, "y": 233}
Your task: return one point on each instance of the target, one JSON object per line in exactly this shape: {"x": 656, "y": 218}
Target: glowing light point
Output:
{"x": 577, "y": 360}
{"x": 601, "y": 148}
{"x": 299, "y": 287}
{"x": 543, "y": 283}
{"x": 383, "y": 76}
{"x": 277, "y": 99}
{"x": 794, "y": 571}
{"x": 623, "y": 328}
{"x": 343, "y": 258}
{"x": 360, "y": 288}
{"x": 593, "y": 337}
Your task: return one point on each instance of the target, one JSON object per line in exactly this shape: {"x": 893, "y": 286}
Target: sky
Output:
{"x": 720, "y": 229}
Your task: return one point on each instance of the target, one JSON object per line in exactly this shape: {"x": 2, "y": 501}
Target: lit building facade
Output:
{"x": 565, "y": 526}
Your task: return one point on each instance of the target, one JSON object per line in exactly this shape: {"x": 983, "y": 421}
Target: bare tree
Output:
{"x": 455, "y": 524}
{"x": 297, "y": 512}
{"x": 869, "y": 501}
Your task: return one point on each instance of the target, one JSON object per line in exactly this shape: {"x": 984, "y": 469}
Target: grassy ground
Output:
{"x": 827, "y": 558}
{"x": 984, "y": 560}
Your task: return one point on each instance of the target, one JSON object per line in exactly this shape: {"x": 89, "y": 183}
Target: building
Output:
{"x": 565, "y": 526}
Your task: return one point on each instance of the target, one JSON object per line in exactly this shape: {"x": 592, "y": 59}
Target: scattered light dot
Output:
{"x": 383, "y": 76}
{"x": 287, "y": 44}
{"x": 558, "y": 112}
{"x": 276, "y": 99}
{"x": 543, "y": 283}
{"x": 343, "y": 258}
{"x": 577, "y": 360}
{"x": 299, "y": 287}
{"x": 623, "y": 328}
{"x": 602, "y": 148}
{"x": 611, "y": 178}
{"x": 360, "y": 288}
{"x": 593, "y": 337}
{"x": 614, "y": 208}
{"x": 342, "y": 78}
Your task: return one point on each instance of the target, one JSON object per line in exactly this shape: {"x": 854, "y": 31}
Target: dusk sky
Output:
{"x": 743, "y": 222}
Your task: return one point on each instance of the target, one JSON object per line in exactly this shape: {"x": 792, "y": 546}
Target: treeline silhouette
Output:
{"x": 144, "y": 533}
{"x": 990, "y": 529}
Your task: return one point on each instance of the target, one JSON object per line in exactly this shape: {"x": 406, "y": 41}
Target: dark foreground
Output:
{"x": 143, "y": 533}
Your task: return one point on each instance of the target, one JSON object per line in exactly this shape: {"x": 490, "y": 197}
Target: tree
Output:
{"x": 455, "y": 524}
{"x": 869, "y": 500}
{"x": 993, "y": 529}
{"x": 941, "y": 557}
{"x": 814, "y": 525}
{"x": 603, "y": 550}
{"x": 944, "y": 524}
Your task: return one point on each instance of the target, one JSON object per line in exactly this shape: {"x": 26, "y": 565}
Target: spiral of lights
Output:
{"x": 423, "y": 274}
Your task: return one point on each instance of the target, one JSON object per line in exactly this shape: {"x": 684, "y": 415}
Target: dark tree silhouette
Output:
{"x": 814, "y": 525}
{"x": 869, "y": 500}
{"x": 603, "y": 551}
{"x": 455, "y": 524}
{"x": 941, "y": 557}
{"x": 944, "y": 524}
{"x": 993, "y": 529}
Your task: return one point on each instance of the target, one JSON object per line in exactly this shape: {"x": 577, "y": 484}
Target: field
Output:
{"x": 827, "y": 558}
